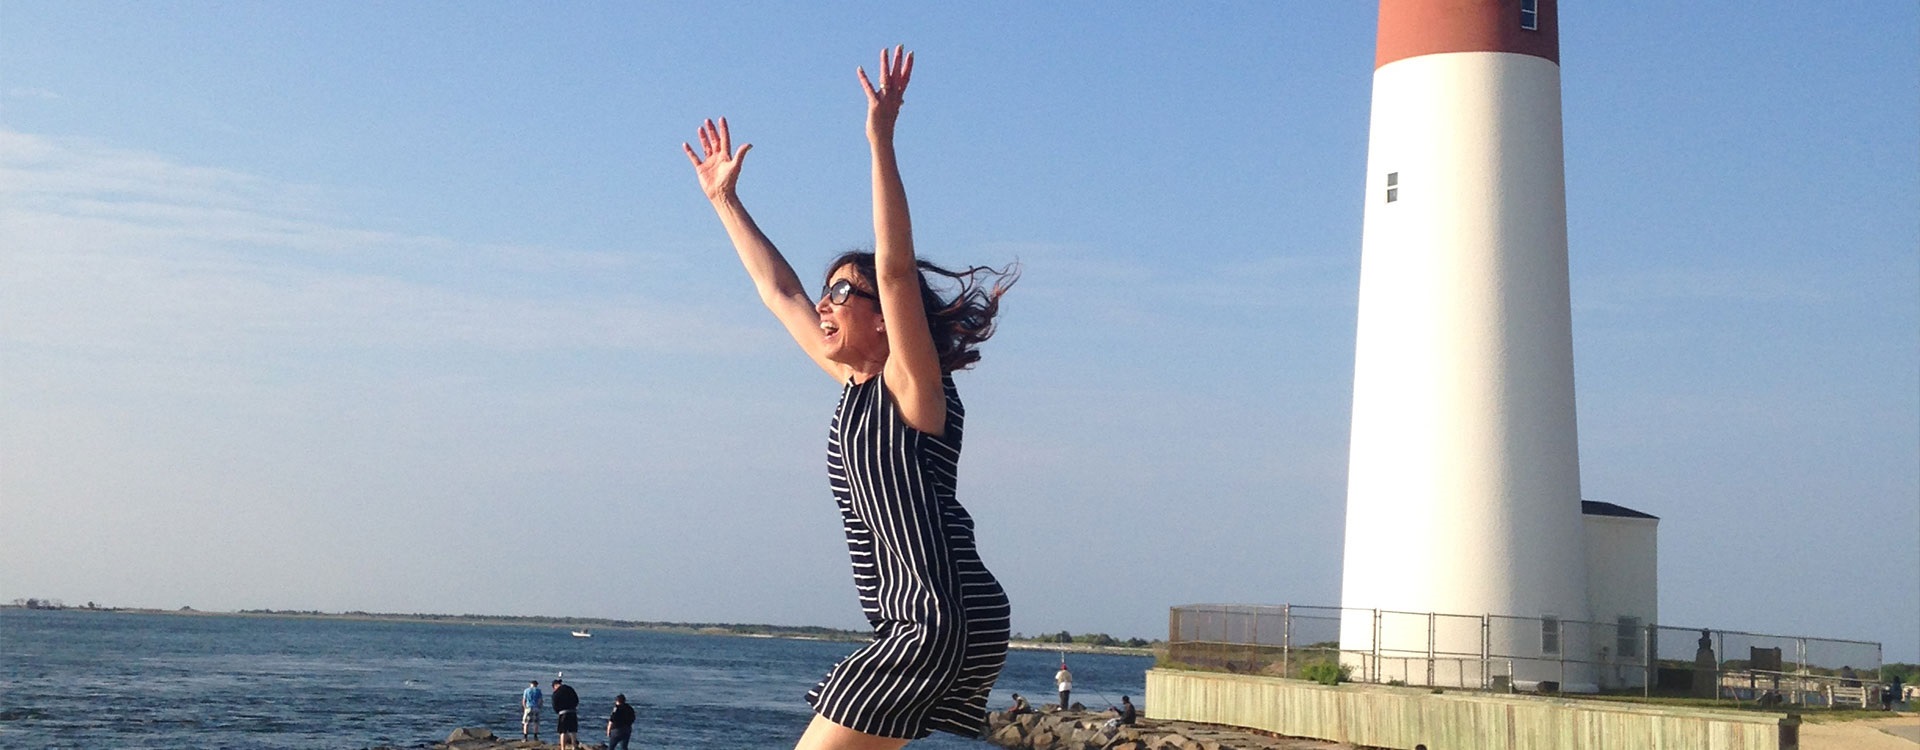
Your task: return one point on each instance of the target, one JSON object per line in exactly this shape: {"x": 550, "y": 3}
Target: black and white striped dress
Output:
{"x": 939, "y": 618}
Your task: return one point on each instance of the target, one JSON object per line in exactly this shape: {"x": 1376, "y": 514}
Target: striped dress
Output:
{"x": 939, "y": 618}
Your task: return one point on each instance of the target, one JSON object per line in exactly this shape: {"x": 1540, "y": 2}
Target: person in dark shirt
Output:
{"x": 1124, "y": 715}
{"x": 620, "y": 724}
{"x": 566, "y": 716}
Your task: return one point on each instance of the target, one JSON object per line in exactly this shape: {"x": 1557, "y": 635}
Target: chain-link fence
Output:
{"x": 1500, "y": 652}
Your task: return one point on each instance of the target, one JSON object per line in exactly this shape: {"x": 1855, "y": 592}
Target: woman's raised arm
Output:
{"x": 717, "y": 165}
{"x": 913, "y": 373}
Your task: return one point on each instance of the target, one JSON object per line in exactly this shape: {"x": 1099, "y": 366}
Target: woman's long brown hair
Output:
{"x": 960, "y": 322}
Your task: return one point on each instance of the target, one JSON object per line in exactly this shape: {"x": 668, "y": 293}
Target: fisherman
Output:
{"x": 530, "y": 711}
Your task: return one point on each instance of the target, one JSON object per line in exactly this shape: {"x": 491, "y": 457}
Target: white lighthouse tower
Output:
{"x": 1463, "y": 489}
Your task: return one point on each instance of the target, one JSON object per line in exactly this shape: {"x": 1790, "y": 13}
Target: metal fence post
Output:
{"x": 1253, "y": 636}
{"x": 1430, "y": 654}
{"x": 1486, "y": 652}
{"x": 1375, "y": 666}
{"x": 1562, "y": 627}
{"x": 1719, "y": 656}
{"x": 1648, "y": 654}
{"x": 1286, "y": 639}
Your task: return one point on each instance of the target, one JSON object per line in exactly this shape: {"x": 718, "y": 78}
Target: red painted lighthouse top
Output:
{"x": 1410, "y": 28}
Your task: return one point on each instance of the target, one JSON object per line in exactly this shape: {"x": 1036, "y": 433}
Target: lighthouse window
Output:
{"x": 1549, "y": 634}
{"x": 1530, "y": 15}
{"x": 1393, "y": 186}
{"x": 1627, "y": 635}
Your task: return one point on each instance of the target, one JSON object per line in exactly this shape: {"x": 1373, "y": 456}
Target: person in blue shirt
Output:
{"x": 530, "y": 711}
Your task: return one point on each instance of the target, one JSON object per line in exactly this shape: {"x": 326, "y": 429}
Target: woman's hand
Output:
{"x": 719, "y": 165}
{"x": 883, "y": 103}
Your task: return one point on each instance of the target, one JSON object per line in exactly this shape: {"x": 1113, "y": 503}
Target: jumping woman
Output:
{"x": 892, "y": 341}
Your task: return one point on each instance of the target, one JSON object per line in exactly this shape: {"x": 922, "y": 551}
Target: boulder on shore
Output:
{"x": 469, "y": 733}
{"x": 482, "y": 738}
{"x": 1081, "y": 730}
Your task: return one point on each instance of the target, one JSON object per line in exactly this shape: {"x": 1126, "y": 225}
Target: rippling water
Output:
{"x": 99, "y": 679}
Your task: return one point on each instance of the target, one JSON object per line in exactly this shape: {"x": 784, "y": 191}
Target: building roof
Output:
{"x": 1597, "y": 508}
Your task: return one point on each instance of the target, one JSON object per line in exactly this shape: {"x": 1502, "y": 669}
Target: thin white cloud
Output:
{"x": 31, "y": 92}
{"x": 110, "y": 249}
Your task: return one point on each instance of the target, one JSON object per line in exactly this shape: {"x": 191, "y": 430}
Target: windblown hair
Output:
{"x": 960, "y": 322}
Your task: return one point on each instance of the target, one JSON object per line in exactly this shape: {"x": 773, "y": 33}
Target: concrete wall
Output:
{"x": 1403, "y": 718}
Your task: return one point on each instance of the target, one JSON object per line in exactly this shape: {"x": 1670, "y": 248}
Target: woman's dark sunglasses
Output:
{"x": 838, "y": 292}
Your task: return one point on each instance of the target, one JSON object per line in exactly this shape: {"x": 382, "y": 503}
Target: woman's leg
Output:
{"x": 823, "y": 734}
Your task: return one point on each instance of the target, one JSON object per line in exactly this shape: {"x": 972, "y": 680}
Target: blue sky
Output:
{"x": 416, "y": 307}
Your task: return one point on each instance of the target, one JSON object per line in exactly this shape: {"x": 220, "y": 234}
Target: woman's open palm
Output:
{"x": 883, "y": 101}
{"x": 718, "y": 165}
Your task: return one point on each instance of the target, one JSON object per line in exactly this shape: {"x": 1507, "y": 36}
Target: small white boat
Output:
{"x": 583, "y": 634}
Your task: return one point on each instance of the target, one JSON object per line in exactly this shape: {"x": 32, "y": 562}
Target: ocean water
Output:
{"x": 73, "y": 679}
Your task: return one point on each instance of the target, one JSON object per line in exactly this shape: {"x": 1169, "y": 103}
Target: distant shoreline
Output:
{"x": 1080, "y": 648}
{"x": 750, "y": 630}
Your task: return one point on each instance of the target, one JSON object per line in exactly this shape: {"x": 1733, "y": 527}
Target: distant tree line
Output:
{"x": 1088, "y": 639}
{"x": 37, "y": 603}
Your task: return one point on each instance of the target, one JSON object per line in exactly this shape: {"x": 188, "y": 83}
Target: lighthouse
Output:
{"x": 1463, "y": 488}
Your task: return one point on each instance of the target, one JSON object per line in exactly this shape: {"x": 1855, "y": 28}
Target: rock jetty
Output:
{"x": 1087, "y": 730}
{"x": 482, "y": 738}
{"x": 1048, "y": 730}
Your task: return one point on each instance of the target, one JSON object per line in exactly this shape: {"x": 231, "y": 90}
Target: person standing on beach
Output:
{"x": 566, "y": 717}
{"x": 1063, "y": 679}
{"x": 620, "y": 724}
{"x": 893, "y": 342}
{"x": 530, "y": 711}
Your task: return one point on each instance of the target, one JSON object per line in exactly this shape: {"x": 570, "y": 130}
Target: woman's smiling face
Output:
{"x": 854, "y": 330}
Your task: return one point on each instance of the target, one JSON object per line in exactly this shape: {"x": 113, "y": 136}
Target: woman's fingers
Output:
{"x": 896, "y": 68}
{"x": 715, "y": 140}
{"x": 900, "y": 58}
